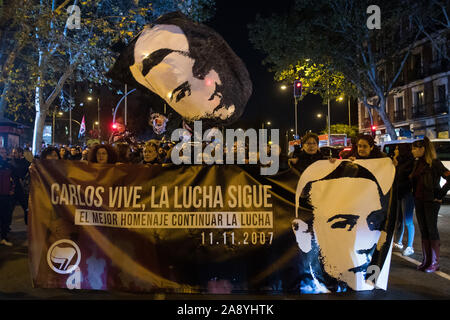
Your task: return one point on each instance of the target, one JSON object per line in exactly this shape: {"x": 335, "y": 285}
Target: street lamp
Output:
{"x": 283, "y": 87}
{"x": 268, "y": 123}
{"x": 89, "y": 98}
{"x": 319, "y": 116}
{"x": 340, "y": 99}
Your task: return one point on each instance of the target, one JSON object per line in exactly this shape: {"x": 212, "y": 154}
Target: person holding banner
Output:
{"x": 102, "y": 153}
{"x": 428, "y": 195}
{"x": 50, "y": 153}
{"x": 309, "y": 153}
{"x": 366, "y": 149}
{"x": 150, "y": 153}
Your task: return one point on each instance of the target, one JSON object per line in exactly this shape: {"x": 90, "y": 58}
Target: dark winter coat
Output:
{"x": 426, "y": 180}
{"x": 305, "y": 160}
{"x": 402, "y": 173}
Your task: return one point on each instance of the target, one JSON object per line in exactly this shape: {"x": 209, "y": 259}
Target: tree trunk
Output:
{"x": 43, "y": 107}
{"x": 3, "y": 99}
{"x": 39, "y": 121}
{"x": 382, "y": 112}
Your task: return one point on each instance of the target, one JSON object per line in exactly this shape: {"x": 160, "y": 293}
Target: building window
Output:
{"x": 439, "y": 50}
{"x": 399, "y": 112}
{"x": 419, "y": 106}
{"x": 441, "y": 99}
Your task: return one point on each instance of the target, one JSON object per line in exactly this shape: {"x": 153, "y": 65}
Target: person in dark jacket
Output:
{"x": 309, "y": 153}
{"x": 21, "y": 178}
{"x": 404, "y": 163}
{"x": 428, "y": 196}
{"x": 6, "y": 194}
{"x": 74, "y": 154}
{"x": 366, "y": 148}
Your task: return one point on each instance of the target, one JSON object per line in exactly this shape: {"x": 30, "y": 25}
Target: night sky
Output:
{"x": 268, "y": 102}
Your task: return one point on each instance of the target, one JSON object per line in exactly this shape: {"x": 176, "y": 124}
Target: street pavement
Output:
{"x": 405, "y": 282}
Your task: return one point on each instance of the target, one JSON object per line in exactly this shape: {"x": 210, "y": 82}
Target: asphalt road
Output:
{"x": 405, "y": 283}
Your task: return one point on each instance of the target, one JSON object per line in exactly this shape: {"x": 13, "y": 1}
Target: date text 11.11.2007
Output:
{"x": 231, "y": 238}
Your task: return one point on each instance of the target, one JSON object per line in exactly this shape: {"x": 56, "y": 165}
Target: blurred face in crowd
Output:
{"x": 310, "y": 146}
{"x": 364, "y": 148}
{"x": 73, "y": 151}
{"x": 85, "y": 153}
{"x": 15, "y": 154}
{"x": 149, "y": 153}
{"x": 396, "y": 151}
{"x": 417, "y": 152}
{"x": 102, "y": 155}
{"x": 62, "y": 152}
{"x": 52, "y": 156}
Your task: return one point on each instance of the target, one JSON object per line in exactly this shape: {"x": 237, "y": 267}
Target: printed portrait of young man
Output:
{"x": 342, "y": 210}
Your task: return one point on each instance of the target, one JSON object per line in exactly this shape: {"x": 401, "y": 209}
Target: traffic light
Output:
{"x": 374, "y": 130}
{"x": 297, "y": 88}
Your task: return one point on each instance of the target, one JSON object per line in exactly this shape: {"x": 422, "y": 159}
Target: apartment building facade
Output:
{"x": 419, "y": 103}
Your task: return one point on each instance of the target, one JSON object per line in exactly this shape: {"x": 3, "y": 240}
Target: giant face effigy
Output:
{"x": 188, "y": 65}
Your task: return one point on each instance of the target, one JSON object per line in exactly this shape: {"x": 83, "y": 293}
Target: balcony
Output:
{"x": 441, "y": 106}
{"x": 415, "y": 74}
{"x": 438, "y": 66}
{"x": 399, "y": 115}
{"x": 419, "y": 111}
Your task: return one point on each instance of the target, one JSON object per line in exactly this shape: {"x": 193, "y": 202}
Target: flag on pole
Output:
{"x": 82, "y": 129}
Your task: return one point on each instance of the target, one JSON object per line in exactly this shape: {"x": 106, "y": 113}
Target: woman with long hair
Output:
{"x": 428, "y": 196}
{"x": 123, "y": 152}
{"x": 150, "y": 153}
{"x": 102, "y": 153}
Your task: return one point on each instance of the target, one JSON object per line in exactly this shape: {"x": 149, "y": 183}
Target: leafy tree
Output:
{"x": 334, "y": 33}
{"x": 433, "y": 19}
{"x": 317, "y": 79}
{"x": 350, "y": 131}
{"x": 55, "y": 53}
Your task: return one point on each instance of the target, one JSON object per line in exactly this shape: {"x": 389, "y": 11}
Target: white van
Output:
{"x": 442, "y": 147}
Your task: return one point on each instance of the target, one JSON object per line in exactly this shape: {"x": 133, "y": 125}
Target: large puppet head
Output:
{"x": 188, "y": 65}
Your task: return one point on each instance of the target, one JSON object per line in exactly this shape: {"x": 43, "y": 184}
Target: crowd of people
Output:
{"x": 416, "y": 184}
{"x": 150, "y": 152}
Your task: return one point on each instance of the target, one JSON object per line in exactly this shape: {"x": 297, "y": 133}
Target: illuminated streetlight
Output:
{"x": 90, "y": 98}
{"x": 283, "y": 87}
